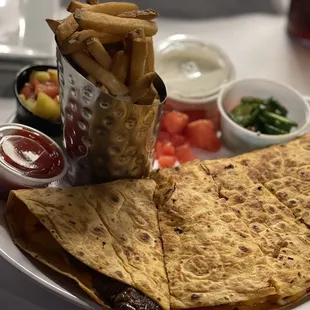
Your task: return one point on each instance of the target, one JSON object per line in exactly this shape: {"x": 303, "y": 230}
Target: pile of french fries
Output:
{"x": 112, "y": 43}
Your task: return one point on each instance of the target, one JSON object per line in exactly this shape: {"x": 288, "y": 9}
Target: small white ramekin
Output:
{"x": 239, "y": 139}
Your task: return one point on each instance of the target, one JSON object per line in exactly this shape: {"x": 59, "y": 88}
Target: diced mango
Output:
{"x": 22, "y": 98}
{"x": 53, "y": 75}
{"x": 30, "y": 104}
{"x": 46, "y": 107}
{"x": 42, "y": 76}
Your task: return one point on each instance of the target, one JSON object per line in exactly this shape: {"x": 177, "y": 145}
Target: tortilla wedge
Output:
{"x": 210, "y": 255}
{"x": 105, "y": 227}
{"x": 274, "y": 227}
{"x": 31, "y": 236}
{"x": 284, "y": 170}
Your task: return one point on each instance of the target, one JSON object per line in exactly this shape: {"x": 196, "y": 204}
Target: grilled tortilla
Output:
{"x": 285, "y": 171}
{"x": 30, "y": 235}
{"x": 284, "y": 241}
{"x": 112, "y": 228}
{"x": 211, "y": 257}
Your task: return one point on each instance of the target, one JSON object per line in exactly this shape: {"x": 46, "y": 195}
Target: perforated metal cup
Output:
{"x": 105, "y": 138}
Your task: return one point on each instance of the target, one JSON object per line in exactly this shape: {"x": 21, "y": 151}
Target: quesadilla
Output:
{"x": 111, "y": 228}
{"x": 228, "y": 234}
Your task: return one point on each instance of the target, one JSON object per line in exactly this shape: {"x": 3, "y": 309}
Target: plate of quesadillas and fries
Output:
{"x": 224, "y": 234}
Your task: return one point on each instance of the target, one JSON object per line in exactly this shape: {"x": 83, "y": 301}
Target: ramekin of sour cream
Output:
{"x": 194, "y": 73}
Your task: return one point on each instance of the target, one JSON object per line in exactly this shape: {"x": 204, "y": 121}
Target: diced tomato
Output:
{"x": 51, "y": 90}
{"x": 184, "y": 153}
{"x": 166, "y": 161}
{"x": 177, "y": 140}
{"x": 27, "y": 91}
{"x": 163, "y": 136}
{"x": 158, "y": 149}
{"x": 175, "y": 122}
{"x": 201, "y": 134}
{"x": 215, "y": 144}
{"x": 33, "y": 80}
{"x": 168, "y": 149}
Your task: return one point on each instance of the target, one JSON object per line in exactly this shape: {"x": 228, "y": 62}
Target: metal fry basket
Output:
{"x": 105, "y": 138}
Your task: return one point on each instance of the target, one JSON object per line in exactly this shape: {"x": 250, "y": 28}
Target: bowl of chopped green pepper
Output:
{"x": 257, "y": 112}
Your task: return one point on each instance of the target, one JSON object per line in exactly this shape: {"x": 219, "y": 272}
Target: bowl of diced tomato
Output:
{"x": 180, "y": 133}
{"x": 37, "y": 95}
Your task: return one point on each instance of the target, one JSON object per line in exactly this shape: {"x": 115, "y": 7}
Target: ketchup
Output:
{"x": 30, "y": 154}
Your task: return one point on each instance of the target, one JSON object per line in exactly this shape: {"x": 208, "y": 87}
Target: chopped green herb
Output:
{"x": 264, "y": 116}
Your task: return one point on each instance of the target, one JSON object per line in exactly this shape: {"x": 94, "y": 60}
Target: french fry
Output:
{"x": 138, "y": 60}
{"x": 149, "y": 97}
{"x": 140, "y": 14}
{"x": 99, "y": 53}
{"x": 76, "y": 5}
{"x": 91, "y": 79}
{"x": 112, "y": 24}
{"x": 71, "y": 45}
{"x": 139, "y": 89}
{"x": 130, "y": 36}
{"x": 53, "y": 24}
{"x": 66, "y": 28}
{"x": 92, "y": 2}
{"x": 150, "y": 59}
{"x": 120, "y": 65}
{"x": 113, "y": 8}
{"x": 103, "y": 76}
{"x": 103, "y": 89}
{"x": 104, "y": 38}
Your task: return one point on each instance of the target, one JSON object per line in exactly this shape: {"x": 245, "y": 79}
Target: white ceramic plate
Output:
{"x": 57, "y": 283}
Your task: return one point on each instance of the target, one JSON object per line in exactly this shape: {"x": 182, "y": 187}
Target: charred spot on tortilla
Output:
{"x": 179, "y": 230}
{"x": 230, "y": 166}
{"x": 98, "y": 230}
{"x": 272, "y": 210}
{"x": 195, "y": 296}
{"x": 115, "y": 198}
{"x": 119, "y": 273}
{"x": 244, "y": 249}
{"x": 145, "y": 237}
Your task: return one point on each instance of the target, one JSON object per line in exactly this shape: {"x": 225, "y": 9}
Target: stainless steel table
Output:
{"x": 258, "y": 47}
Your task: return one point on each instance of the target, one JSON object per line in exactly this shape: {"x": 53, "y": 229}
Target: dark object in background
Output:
{"x": 200, "y": 9}
{"x": 299, "y": 19}
{"x": 24, "y": 116}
